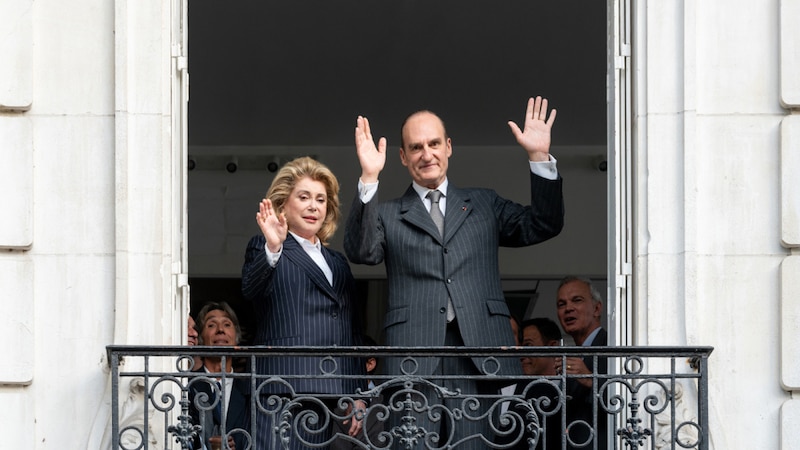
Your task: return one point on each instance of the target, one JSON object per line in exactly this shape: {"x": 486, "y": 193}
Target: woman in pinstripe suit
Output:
{"x": 303, "y": 292}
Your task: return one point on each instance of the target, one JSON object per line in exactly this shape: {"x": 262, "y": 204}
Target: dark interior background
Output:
{"x": 298, "y": 72}
{"x": 283, "y": 75}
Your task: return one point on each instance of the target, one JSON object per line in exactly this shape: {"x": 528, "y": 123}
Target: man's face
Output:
{"x": 191, "y": 338}
{"x": 371, "y": 364}
{"x": 578, "y": 313}
{"x": 515, "y": 330}
{"x": 426, "y": 149}
{"x": 531, "y": 337}
{"x": 218, "y": 329}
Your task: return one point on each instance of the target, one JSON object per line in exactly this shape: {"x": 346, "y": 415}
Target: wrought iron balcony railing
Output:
{"x": 651, "y": 398}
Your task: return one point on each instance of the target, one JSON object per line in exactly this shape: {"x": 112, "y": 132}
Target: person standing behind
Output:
{"x": 191, "y": 340}
{"x": 579, "y": 306}
{"x": 515, "y": 330}
{"x": 219, "y": 326}
{"x": 444, "y": 284}
{"x": 191, "y": 332}
{"x": 541, "y": 396}
{"x": 542, "y": 332}
{"x": 303, "y": 292}
{"x": 539, "y": 332}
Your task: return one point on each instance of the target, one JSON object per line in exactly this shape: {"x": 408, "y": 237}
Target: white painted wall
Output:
{"x": 709, "y": 253}
{"x": 85, "y": 145}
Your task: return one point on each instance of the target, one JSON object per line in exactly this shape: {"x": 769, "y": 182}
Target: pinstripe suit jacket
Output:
{"x": 295, "y": 305}
{"x": 424, "y": 269}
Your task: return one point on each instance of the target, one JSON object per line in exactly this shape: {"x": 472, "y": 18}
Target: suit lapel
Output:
{"x": 457, "y": 211}
{"x": 294, "y": 251}
{"x": 600, "y": 340}
{"x": 413, "y": 211}
{"x": 339, "y": 274}
{"x": 211, "y": 416}
{"x": 236, "y": 406}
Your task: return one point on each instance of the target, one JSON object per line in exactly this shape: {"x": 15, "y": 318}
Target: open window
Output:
{"x": 276, "y": 80}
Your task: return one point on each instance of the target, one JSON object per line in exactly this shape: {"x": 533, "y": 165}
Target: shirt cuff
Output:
{"x": 367, "y": 190}
{"x": 545, "y": 169}
{"x": 272, "y": 258}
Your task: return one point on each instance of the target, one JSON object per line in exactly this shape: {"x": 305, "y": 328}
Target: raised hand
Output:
{"x": 272, "y": 224}
{"x": 535, "y": 138}
{"x": 371, "y": 158}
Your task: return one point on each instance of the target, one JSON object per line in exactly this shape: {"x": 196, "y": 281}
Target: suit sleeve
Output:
{"x": 542, "y": 220}
{"x": 363, "y": 233}
{"x": 256, "y": 271}
{"x": 547, "y": 204}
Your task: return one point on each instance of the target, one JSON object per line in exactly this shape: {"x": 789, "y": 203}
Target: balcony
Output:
{"x": 652, "y": 398}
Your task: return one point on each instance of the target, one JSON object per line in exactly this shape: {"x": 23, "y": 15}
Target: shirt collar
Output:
{"x": 208, "y": 371}
{"x": 306, "y": 243}
{"x": 422, "y": 191}
{"x": 590, "y": 338}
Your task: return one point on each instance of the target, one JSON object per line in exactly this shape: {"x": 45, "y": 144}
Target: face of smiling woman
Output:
{"x": 306, "y": 208}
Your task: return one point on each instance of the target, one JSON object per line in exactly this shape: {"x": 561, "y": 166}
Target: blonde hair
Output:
{"x": 304, "y": 167}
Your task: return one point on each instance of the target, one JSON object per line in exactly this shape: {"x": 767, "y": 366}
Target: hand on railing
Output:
{"x": 215, "y": 441}
{"x": 574, "y": 366}
{"x": 357, "y": 419}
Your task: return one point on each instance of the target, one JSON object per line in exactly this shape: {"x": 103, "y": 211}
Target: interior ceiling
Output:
{"x": 299, "y": 72}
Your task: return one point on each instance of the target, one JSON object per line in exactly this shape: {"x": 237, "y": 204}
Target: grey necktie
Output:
{"x": 438, "y": 219}
{"x": 436, "y": 212}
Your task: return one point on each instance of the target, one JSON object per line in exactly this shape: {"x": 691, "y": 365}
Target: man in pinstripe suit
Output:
{"x": 444, "y": 286}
